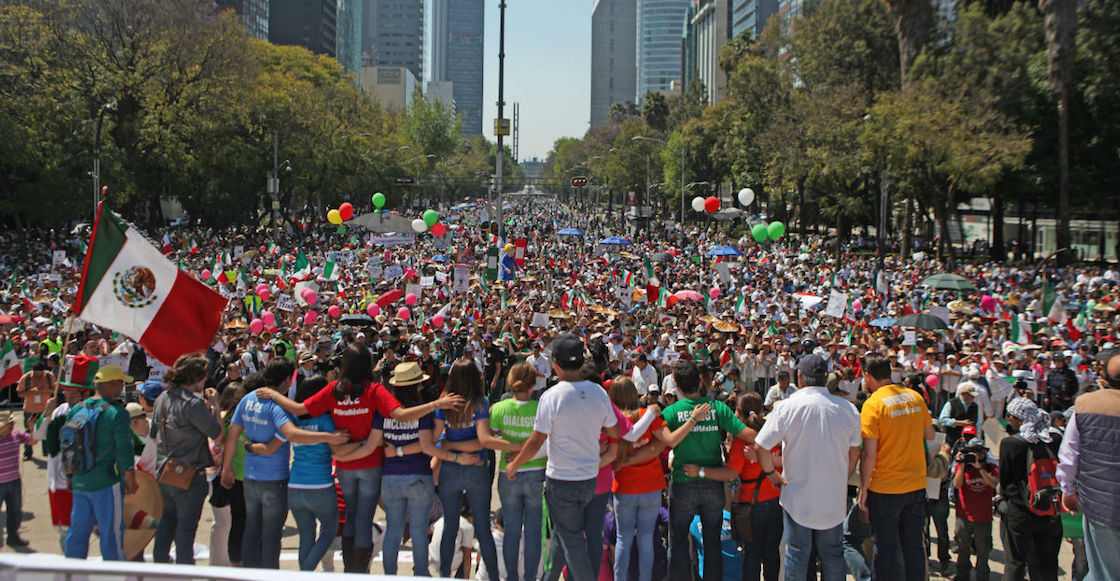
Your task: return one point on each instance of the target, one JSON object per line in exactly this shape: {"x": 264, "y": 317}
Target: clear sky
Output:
{"x": 548, "y": 70}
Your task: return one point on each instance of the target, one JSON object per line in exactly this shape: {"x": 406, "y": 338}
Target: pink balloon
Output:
{"x": 403, "y": 313}
{"x": 256, "y": 326}
{"x": 310, "y": 317}
{"x": 310, "y": 296}
{"x": 373, "y": 310}
{"x": 264, "y": 294}
{"x": 260, "y": 287}
{"x": 437, "y": 321}
{"x": 268, "y": 318}
{"x": 206, "y": 274}
{"x": 334, "y": 311}
{"x": 857, "y": 306}
{"x": 932, "y": 380}
{"x": 988, "y": 303}
{"x": 713, "y": 292}
{"x": 263, "y": 249}
{"x": 410, "y": 299}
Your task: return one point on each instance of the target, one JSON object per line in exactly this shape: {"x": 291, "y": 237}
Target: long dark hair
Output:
{"x": 355, "y": 371}
{"x": 464, "y": 379}
{"x": 274, "y": 374}
{"x": 749, "y": 408}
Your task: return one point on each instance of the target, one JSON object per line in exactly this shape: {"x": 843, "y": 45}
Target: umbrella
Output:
{"x": 661, "y": 257}
{"x": 921, "y": 321}
{"x": 883, "y": 322}
{"x": 724, "y": 251}
{"x": 673, "y": 252}
{"x": 945, "y": 281}
{"x": 507, "y": 208}
{"x": 387, "y": 298}
{"x": 808, "y": 300}
{"x": 10, "y": 319}
{"x": 439, "y": 258}
{"x": 569, "y": 232}
{"x": 688, "y": 295}
{"x": 615, "y": 241}
{"x": 357, "y": 320}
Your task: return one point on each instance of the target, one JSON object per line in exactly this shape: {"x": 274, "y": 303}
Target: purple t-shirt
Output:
{"x": 397, "y": 433}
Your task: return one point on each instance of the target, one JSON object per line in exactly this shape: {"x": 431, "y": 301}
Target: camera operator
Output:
{"x": 975, "y": 478}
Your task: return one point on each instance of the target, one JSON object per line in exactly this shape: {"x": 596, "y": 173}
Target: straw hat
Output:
{"x": 142, "y": 511}
{"x": 408, "y": 374}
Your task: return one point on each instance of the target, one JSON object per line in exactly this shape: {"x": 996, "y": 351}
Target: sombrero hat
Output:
{"x": 142, "y": 511}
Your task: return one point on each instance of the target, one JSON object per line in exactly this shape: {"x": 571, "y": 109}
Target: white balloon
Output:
{"x": 746, "y": 196}
{"x": 698, "y": 204}
{"x": 419, "y": 226}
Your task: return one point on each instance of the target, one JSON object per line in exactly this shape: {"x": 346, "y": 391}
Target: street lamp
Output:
{"x": 662, "y": 142}
{"x": 96, "y": 174}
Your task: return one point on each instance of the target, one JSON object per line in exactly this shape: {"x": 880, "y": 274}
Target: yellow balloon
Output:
{"x": 334, "y": 217}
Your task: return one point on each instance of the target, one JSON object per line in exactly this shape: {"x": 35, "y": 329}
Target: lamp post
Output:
{"x": 96, "y": 174}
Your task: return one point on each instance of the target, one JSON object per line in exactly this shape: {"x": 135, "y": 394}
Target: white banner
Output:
{"x": 397, "y": 240}
{"x": 837, "y": 304}
{"x": 461, "y": 278}
{"x": 285, "y": 303}
{"x": 394, "y": 272}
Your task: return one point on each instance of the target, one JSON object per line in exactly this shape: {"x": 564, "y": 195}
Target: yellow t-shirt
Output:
{"x": 897, "y": 417}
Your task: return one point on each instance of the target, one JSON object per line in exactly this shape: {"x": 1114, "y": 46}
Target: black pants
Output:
{"x": 1032, "y": 545}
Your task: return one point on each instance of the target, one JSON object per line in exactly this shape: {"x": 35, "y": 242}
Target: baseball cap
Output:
{"x": 150, "y": 390}
{"x": 813, "y": 366}
{"x": 567, "y": 351}
{"x": 107, "y": 373}
{"x": 134, "y": 410}
{"x": 967, "y": 388}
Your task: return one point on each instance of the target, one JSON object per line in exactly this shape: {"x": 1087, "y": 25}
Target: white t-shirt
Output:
{"x": 644, "y": 378}
{"x": 543, "y": 367}
{"x": 464, "y": 539}
{"x": 573, "y": 414}
{"x": 816, "y": 430}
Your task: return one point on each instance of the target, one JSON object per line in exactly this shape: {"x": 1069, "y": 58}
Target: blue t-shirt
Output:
{"x": 397, "y": 433}
{"x": 311, "y": 463}
{"x": 261, "y": 421}
{"x": 470, "y": 431}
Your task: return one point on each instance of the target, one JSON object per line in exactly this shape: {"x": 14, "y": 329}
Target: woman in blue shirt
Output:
{"x": 467, "y": 431}
{"x": 311, "y": 493}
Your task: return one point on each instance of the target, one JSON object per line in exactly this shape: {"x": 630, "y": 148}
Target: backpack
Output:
{"x": 1044, "y": 495}
{"x": 78, "y": 439}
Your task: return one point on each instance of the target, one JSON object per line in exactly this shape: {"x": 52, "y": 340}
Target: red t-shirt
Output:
{"x": 975, "y": 497}
{"x": 355, "y": 416}
{"x": 647, "y": 476}
{"x": 748, "y": 469}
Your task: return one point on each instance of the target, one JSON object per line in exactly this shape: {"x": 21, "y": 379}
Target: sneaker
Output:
{"x": 15, "y": 541}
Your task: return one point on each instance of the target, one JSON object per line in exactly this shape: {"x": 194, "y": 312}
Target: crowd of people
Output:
{"x": 686, "y": 402}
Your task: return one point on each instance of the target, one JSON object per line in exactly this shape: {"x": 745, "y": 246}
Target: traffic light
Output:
{"x": 579, "y": 182}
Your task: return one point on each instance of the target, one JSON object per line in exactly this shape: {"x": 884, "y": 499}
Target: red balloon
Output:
{"x": 711, "y": 204}
{"x": 334, "y": 311}
{"x": 346, "y": 210}
{"x": 438, "y": 229}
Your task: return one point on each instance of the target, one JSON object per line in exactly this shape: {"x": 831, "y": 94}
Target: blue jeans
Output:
{"x": 1102, "y": 548}
{"x": 407, "y": 497}
{"x": 309, "y": 505}
{"x": 454, "y": 480}
{"x": 855, "y": 532}
{"x": 182, "y": 509}
{"x": 897, "y": 521}
{"x": 361, "y": 490}
{"x": 571, "y": 512}
{"x": 829, "y": 543}
{"x": 522, "y": 502}
{"x": 592, "y": 532}
{"x": 266, "y": 509}
{"x": 103, "y": 508}
{"x": 761, "y": 554}
{"x": 636, "y": 518}
{"x": 11, "y": 494}
{"x": 686, "y": 500}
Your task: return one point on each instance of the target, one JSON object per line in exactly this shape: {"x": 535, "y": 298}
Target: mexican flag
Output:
{"x": 628, "y": 278}
{"x": 166, "y": 244}
{"x": 1018, "y": 333}
{"x": 331, "y": 271}
{"x": 128, "y": 286}
{"x": 273, "y": 249}
{"x": 192, "y": 245}
{"x": 303, "y": 267}
{"x": 11, "y": 367}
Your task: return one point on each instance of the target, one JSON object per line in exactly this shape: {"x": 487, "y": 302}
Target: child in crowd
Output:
{"x": 11, "y": 487}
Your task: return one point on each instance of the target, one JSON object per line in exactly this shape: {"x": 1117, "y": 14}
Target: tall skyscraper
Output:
{"x": 457, "y": 56}
{"x": 614, "y": 73}
{"x": 661, "y": 25}
{"x": 253, "y": 14}
{"x": 751, "y": 16}
{"x": 393, "y": 34}
{"x": 348, "y": 36}
{"x": 710, "y": 29}
{"x": 312, "y": 24}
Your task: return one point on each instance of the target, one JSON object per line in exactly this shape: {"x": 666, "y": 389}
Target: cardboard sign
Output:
{"x": 909, "y": 337}
{"x": 427, "y": 282}
{"x": 724, "y": 273}
{"x": 837, "y": 304}
{"x": 394, "y": 272}
{"x": 375, "y": 272}
{"x": 461, "y": 278}
{"x": 238, "y": 251}
{"x": 540, "y": 320}
{"x": 156, "y": 370}
{"x": 58, "y": 257}
{"x": 285, "y": 303}
{"x": 393, "y": 240}
{"x": 441, "y": 277}
{"x": 413, "y": 289}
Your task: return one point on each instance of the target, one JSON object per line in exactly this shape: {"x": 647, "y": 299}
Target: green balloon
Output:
{"x": 341, "y": 229}
{"x": 760, "y": 232}
{"x": 379, "y": 200}
{"x": 776, "y": 230}
{"x": 430, "y": 217}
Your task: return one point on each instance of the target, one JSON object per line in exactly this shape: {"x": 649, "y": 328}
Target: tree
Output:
{"x": 655, "y": 110}
{"x": 1060, "y": 20}
{"x": 913, "y": 23}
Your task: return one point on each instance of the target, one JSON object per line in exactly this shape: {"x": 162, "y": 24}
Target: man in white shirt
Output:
{"x": 821, "y": 441}
{"x": 784, "y": 389}
{"x": 541, "y": 365}
{"x": 643, "y": 374}
{"x": 570, "y": 417}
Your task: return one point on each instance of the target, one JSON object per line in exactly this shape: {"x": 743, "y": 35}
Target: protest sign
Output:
{"x": 837, "y": 304}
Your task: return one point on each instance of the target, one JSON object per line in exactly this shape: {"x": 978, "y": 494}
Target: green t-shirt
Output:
{"x": 113, "y": 448}
{"x": 703, "y": 445}
{"x": 514, "y": 421}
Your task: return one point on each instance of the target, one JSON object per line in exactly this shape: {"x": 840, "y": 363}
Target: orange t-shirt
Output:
{"x": 644, "y": 477}
{"x": 897, "y": 417}
{"x": 748, "y": 469}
